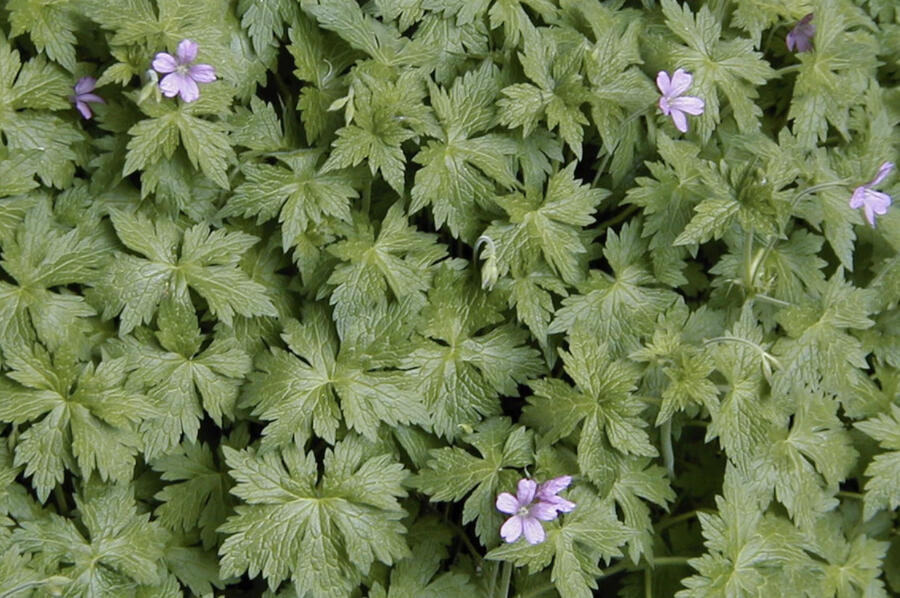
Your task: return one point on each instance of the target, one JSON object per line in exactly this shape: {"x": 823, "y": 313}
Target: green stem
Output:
{"x": 619, "y": 217}
{"x": 666, "y": 441}
{"x": 61, "y": 502}
{"x": 648, "y": 583}
{"x": 662, "y": 561}
{"x": 505, "y": 578}
{"x": 788, "y": 69}
{"x": 853, "y": 495}
{"x": 675, "y": 520}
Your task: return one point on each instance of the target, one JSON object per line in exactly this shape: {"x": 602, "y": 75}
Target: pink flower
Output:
{"x": 84, "y": 96}
{"x": 673, "y": 103}
{"x": 526, "y": 517}
{"x": 181, "y": 76}
{"x": 547, "y": 493}
{"x": 873, "y": 202}
{"x": 800, "y": 37}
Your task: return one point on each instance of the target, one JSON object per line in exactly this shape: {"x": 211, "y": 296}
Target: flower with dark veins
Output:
{"x": 800, "y": 37}
{"x": 84, "y": 95}
{"x": 526, "y": 514}
{"x": 181, "y": 77}
{"x": 673, "y": 103}
{"x": 873, "y": 202}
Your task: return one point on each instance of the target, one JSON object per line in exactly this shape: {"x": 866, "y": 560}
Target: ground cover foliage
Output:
{"x": 291, "y": 332}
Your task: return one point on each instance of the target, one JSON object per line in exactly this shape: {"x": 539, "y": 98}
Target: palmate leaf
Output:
{"x": 398, "y": 258}
{"x": 747, "y": 551}
{"x": 301, "y": 195}
{"x": 883, "y": 486}
{"x": 387, "y": 110}
{"x": 321, "y": 533}
{"x": 601, "y": 402}
{"x": 621, "y": 307}
{"x": 298, "y": 391}
{"x": 208, "y": 263}
{"x": 546, "y": 226}
{"x": 105, "y": 561}
{"x": 459, "y": 372}
{"x": 197, "y": 495}
{"x": 461, "y": 169}
{"x": 552, "y": 60}
{"x": 453, "y": 472}
{"x": 833, "y": 79}
{"x": 586, "y": 535}
{"x": 818, "y": 350}
{"x": 178, "y": 375}
{"x": 205, "y": 142}
{"x": 27, "y": 91}
{"x": 82, "y": 414}
{"x": 50, "y": 26}
{"x": 41, "y": 256}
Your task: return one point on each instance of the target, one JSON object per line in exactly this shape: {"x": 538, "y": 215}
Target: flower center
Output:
{"x": 182, "y": 69}
{"x": 523, "y": 511}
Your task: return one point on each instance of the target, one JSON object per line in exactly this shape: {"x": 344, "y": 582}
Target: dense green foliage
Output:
{"x": 293, "y": 338}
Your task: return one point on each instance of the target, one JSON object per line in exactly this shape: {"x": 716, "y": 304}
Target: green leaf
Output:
{"x": 882, "y": 490}
{"x": 297, "y": 391}
{"x": 322, "y": 534}
{"x": 197, "y": 497}
{"x": 547, "y": 226}
{"x": 454, "y": 472}
{"x": 460, "y": 372}
{"x": 208, "y": 264}
{"x": 620, "y": 308}
{"x": 601, "y": 401}
{"x": 398, "y": 259}
{"x": 81, "y": 413}
{"x": 833, "y": 79}
{"x": 301, "y": 195}
{"x": 553, "y": 63}
{"x": 461, "y": 169}
{"x": 103, "y": 561}
{"x": 42, "y": 258}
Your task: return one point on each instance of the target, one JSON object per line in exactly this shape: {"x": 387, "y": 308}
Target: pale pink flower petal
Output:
{"x": 512, "y": 529}
{"x": 85, "y": 85}
{"x": 187, "y": 51}
{"x": 181, "y": 76}
{"x": 679, "y": 120}
{"x": 883, "y": 172}
{"x": 83, "y": 96}
{"x": 544, "y": 511}
{"x": 800, "y": 37}
{"x": 681, "y": 81}
{"x": 164, "y": 63}
{"x": 525, "y": 491}
{"x": 534, "y": 532}
{"x": 873, "y": 202}
{"x": 202, "y": 73}
{"x": 171, "y": 84}
{"x": 688, "y": 104}
{"x": 507, "y": 503}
